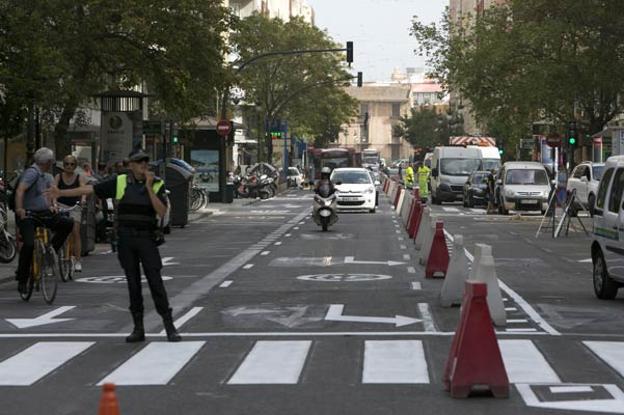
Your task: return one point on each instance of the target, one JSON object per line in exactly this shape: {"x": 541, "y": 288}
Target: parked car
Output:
{"x": 522, "y": 186}
{"x": 607, "y": 248}
{"x": 585, "y": 179}
{"x": 294, "y": 178}
{"x": 355, "y": 189}
{"x": 475, "y": 189}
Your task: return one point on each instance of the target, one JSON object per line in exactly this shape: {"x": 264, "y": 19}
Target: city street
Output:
{"x": 278, "y": 317}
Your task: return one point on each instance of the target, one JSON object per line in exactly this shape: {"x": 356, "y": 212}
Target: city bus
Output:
{"x": 332, "y": 158}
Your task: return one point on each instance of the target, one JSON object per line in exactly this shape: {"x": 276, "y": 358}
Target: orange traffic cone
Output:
{"x": 108, "y": 401}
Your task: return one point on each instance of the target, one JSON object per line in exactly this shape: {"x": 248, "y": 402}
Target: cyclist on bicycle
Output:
{"x": 69, "y": 179}
{"x": 30, "y": 197}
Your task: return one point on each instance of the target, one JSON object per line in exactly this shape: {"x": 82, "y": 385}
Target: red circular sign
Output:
{"x": 224, "y": 127}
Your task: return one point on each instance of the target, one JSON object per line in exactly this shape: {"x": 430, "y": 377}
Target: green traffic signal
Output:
{"x": 174, "y": 139}
{"x": 501, "y": 151}
{"x": 571, "y": 141}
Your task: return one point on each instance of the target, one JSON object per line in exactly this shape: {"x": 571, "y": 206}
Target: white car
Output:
{"x": 585, "y": 179}
{"x": 523, "y": 186}
{"x": 355, "y": 189}
{"x": 295, "y": 177}
{"x": 607, "y": 248}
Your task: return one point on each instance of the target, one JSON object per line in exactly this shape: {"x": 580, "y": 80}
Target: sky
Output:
{"x": 379, "y": 29}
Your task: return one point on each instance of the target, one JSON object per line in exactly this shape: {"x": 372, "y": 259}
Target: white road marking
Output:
{"x": 226, "y": 284}
{"x": 394, "y": 362}
{"x": 525, "y": 364}
{"x": 406, "y": 257}
{"x": 416, "y": 286}
{"x": 288, "y": 235}
{"x": 427, "y": 317}
{"x": 525, "y": 330}
{"x": 30, "y": 365}
{"x": 265, "y": 253}
{"x": 335, "y": 313}
{"x": 248, "y": 266}
{"x": 272, "y": 362}
{"x": 450, "y": 209}
{"x": 526, "y": 307}
{"x": 166, "y": 261}
{"x": 42, "y": 320}
{"x": 511, "y": 309}
{"x": 156, "y": 364}
{"x": 517, "y": 320}
{"x": 186, "y": 317}
{"x": 571, "y": 389}
{"x": 585, "y": 261}
{"x": 296, "y": 228}
{"x": 612, "y": 353}
{"x": 400, "y": 238}
{"x": 411, "y": 270}
{"x": 278, "y": 243}
{"x": 403, "y": 247}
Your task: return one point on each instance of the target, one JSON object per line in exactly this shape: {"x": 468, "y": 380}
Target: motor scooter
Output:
{"x": 324, "y": 210}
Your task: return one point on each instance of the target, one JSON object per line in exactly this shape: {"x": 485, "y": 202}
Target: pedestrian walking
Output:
{"x": 491, "y": 204}
{"x": 409, "y": 176}
{"x": 140, "y": 199}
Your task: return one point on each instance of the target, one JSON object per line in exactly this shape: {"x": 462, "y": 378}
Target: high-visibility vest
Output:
{"x": 122, "y": 183}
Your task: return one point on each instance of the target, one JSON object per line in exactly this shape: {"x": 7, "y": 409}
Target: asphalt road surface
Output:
{"x": 281, "y": 318}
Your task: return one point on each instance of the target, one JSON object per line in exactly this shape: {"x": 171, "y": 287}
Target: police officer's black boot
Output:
{"x": 138, "y": 334}
{"x": 172, "y": 333}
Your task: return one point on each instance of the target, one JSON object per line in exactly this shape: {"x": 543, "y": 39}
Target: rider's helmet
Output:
{"x": 325, "y": 172}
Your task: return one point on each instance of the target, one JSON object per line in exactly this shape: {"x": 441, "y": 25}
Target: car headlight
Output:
{"x": 370, "y": 190}
{"x": 509, "y": 193}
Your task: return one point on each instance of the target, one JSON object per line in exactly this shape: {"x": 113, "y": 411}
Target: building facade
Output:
{"x": 283, "y": 9}
{"x": 381, "y": 107}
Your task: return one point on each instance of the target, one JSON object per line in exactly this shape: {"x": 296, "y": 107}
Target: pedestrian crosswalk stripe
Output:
{"x": 394, "y": 362}
{"x": 156, "y": 364}
{"x": 450, "y": 209}
{"x": 30, "y": 365}
{"x": 272, "y": 362}
{"x": 612, "y": 353}
{"x": 525, "y": 363}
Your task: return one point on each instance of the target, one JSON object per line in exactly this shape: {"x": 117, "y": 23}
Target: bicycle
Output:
{"x": 66, "y": 259}
{"x": 44, "y": 269}
{"x": 8, "y": 248}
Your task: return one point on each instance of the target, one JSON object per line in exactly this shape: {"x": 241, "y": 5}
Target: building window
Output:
{"x": 363, "y": 108}
{"x": 396, "y": 110}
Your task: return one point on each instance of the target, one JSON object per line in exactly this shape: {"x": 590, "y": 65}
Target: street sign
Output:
{"x": 553, "y": 140}
{"x": 224, "y": 127}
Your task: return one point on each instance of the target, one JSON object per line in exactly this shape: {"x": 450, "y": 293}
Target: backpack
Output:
{"x": 12, "y": 187}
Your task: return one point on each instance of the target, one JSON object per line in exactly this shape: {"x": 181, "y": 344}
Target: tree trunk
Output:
{"x": 62, "y": 143}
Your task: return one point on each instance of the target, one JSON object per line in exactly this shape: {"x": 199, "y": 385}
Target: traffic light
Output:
{"x": 174, "y": 139}
{"x": 501, "y": 151}
{"x": 349, "y": 52}
{"x": 360, "y": 79}
{"x": 572, "y": 134}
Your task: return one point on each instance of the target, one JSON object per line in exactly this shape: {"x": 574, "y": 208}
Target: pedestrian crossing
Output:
{"x": 283, "y": 362}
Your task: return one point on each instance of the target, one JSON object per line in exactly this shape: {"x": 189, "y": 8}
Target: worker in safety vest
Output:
{"x": 409, "y": 176}
{"x": 423, "y": 180}
{"x": 141, "y": 200}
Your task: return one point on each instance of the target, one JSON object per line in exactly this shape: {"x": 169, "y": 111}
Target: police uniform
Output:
{"x": 136, "y": 233}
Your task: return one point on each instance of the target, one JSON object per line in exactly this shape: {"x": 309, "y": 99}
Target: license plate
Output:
{"x": 350, "y": 199}
{"x": 528, "y": 202}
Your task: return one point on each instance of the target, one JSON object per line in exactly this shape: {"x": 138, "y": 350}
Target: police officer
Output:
{"x": 140, "y": 198}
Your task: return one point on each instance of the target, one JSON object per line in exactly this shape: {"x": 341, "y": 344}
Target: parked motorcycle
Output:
{"x": 252, "y": 187}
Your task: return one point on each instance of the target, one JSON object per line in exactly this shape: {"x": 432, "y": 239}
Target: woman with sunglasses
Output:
{"x": 70, "y": 179}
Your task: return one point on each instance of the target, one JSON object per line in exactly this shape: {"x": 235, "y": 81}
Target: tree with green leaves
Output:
{"x": 307, "y": 90}
{"x": 59, "y": 54}
{"x": 426, "y": 127}
{"x": 532, "y": 60}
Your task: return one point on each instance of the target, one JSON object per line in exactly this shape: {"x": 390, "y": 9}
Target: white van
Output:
{"x": 450, "y": 168}
{"x": 490, "y": 157}
{"x": 607, "y": 248}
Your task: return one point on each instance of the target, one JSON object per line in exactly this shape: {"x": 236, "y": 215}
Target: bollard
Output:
{"x": 426, "y": 247}
{"x": 438, "y": 260}
{"x": 456, "y": 275}
{"x": 423, "y": 228}
{"x": 108, "y": 401}
{"x": 484, "y": 270}
{"x": 414, "y": 218}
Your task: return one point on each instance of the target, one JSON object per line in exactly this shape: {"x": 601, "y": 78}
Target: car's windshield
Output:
{"x": 489, "y": 164}
{"x": 598, "y": 170}
{"x": 351, "y": 177}
{"x": 480, "y": 178}
{"x": 370, "y": 159}
{"x": 292, "y": 171}
{"x": 526, "y": 176}
{"x": 459, "y": 167}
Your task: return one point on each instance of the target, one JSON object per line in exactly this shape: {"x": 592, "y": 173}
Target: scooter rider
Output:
{"x": 141, "y": 197}
{"x": 325, "y": 187}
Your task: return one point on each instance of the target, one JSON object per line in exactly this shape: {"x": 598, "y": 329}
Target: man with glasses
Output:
{"x": 69, "y": 179}
{"x": 140, "y": 200}
{"x": 31, "y": 201}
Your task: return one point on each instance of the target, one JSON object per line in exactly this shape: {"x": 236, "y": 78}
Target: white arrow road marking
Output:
{"x": 351, "y": 260}
{"x": 47, "y": 318}
{"x": 335, "y": 314}
{"x": 585, "y": 261}
{"x": 167, "y": 261}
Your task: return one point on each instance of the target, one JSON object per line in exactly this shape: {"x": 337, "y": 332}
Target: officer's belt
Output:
{"x": 135, "y": 232}
{"x": 129, "y": 217}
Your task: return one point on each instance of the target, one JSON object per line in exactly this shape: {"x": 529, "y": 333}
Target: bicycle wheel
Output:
{"x": 8, "y": 249}
{"x": 49, "y": 273}
{"x": 64, "y": 264}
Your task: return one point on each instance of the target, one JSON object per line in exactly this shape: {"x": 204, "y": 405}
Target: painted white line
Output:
{"x": 288, "y": 235}
{"x": 278, "y": 243}
{"x": 526, "y": 307}
{"x": 406, "y": 257}
{"x": 612, "y": 353}
{"x": 403, "y": 247}
{"x": 394, "y": 362}
{"x": 248, "y": 266}
{"x": 301, "y": 223}
{"x": 585, "y": 261}
{"x": 614, "y": 404}
{"x": 186, "y": 317}
{"x": 511, "y": 309}
{"x": 397, "y": 232}
{"x": 226, "y": 284}
{"x": 411, "y": 270}
{"x": 272, "y": 362}
{"x": 156, "y": 364}
{"x": 525, "y": 330}
{"x": 450, "y": 209}
{"x": 30, "y": 365}
{"x": 400, "y": 238}
{"x": 265, "y": 253}
{"x": 427, "y": 317}
{"x": 416, "y": 286}
{"x": 571, "y": 389}
{"x": 517, "y": 320}
{"x": 525, "y": 364}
